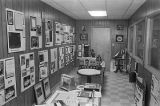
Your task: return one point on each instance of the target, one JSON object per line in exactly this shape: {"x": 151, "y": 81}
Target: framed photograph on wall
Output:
{"x": 39, "y": 94}
{"x": 119, "y": 38}
{"x": 33, "y": 23}
{"x": 66, "y": 82}
{"x": 83, "y": 36}
{"x": 46, "y": 87}
{"x": 10, "y": 17}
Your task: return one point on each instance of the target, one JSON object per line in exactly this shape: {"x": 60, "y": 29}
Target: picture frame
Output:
{"x": 119, "y": 38}
{"x": 33, "y": 23}
{"x": 10, "y": 17}
{"x": 39, "y": 93}
{"x": 34, "y": 42}
{"x": 46, "y": 87}
{"x": 66, "y": 82}
{"x": 83, "y": 36}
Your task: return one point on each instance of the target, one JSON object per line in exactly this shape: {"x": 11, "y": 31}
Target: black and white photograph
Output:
{"x": 26, "y": 81}
{"x": 33, "y": 23}
{"x": 34, "y": 41}
{"x": 119, "y": 38}
{"x": 46, "y": 86}
{"x": 10, "y": 18}
{"x": 113, "y": 43}
{"x": 23, "y": 60}
{"x": 39, "y": 93}
{"x": 9, "y": 93}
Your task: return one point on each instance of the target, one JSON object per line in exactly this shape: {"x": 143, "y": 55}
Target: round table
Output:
{"x": 89, "y": 73}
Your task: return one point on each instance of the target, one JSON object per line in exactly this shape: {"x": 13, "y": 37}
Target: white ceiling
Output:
{"x": 78, "y": 9}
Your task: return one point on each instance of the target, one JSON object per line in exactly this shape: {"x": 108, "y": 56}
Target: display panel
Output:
{"x": 154, "y": 49}
{"x": 130, "y": 39}
{"x": 140, "y": 37}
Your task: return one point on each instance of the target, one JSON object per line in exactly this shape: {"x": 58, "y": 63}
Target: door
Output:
{"x": 101, "y": 43}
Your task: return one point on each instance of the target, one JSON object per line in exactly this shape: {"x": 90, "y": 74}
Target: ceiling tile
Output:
{"x": 78, "y": 9}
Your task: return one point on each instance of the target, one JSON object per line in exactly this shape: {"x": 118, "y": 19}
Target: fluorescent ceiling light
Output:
{"x": 97, "y": 13}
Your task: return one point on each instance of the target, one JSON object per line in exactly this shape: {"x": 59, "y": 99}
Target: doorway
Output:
{"x": 101, "y": 43}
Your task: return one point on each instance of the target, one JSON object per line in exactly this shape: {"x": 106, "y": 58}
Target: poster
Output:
{"x": 27, "y": 65}
{"x": 54, "y": 60}
{"x": 61, "y": 57}
{"x": 59, "y": 37}
{"x": 72, "y": 52}
{"x": 43, "y": 64}
{"x": 35, "y": 32}
{"x": 49, "y": 33}
{"x": 15, "y": 30}
{"x": 7, "y": 80}
{"x": 67, "y": 54}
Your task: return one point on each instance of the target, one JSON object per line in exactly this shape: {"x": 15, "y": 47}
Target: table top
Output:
{"x": 71, "y": 99}
{"x": 89, "y": 72}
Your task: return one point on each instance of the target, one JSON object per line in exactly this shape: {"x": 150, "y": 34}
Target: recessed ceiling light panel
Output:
{"x": 97, "y": 13}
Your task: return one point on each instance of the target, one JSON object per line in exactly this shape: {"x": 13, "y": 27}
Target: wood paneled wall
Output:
{"x": 112, "y": 24}
{"x": 30, "y": 8}
{"x": 150, "y": 6}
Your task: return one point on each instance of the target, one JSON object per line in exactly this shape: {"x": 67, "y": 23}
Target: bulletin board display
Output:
{"x": 54, "y": 60}
{"x": 35, "y": 32}
{"x": 58, "y": 34}
{"x": 48, "y": 33}
{"x": 7, "y": 80}
{"x": 67, "y": 54}
{"x": 27, "y": 65}
{"x": 43, "y": 64}
{"x": 15, "y": 30}
{"x": 61, "y": 57}
{"x": 65, "y": 34}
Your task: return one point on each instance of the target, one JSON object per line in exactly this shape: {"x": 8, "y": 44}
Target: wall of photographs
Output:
{"x": 27, "y": 65}
{"x": 28, "y": 50}
{"x": 15, "y": 30}
{"x": 7, "y": 80}
{"x": 35, "y": 32}
{"x": 65, "y": 34}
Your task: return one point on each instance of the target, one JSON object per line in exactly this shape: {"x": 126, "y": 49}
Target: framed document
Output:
{"x": 46, "y": 86}
{"x": 39, "y": 93}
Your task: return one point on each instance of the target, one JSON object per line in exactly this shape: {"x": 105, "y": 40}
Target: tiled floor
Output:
{"x": 117, "y": 91}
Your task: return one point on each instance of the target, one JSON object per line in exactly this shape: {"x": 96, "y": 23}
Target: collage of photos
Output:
{"x": 67, "y": 54}
{"x": 15, "y": 30}
{"x": 65, "y": 34}
{"x": 7, "y": 80}
{"x": 43, "y": 64}
{"x": 35, "y": 32}
{"x": 54, "y": 60}
{"x": 48, "y": 33}
{"x": 27, "y": 64}
{"x": 61, "y": 57}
